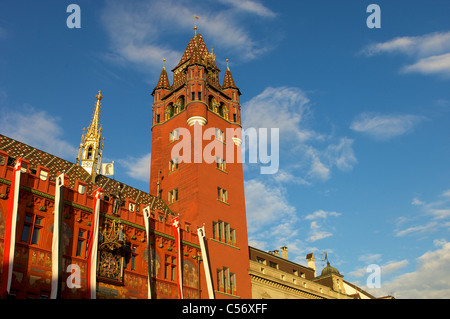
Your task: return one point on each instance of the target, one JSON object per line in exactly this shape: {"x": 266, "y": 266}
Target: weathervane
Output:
{"x": 195, "y": 24}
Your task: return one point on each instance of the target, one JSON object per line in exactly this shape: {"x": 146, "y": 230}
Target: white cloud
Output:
{"x": 342, "y": 154}
{"x": 428, "y": 228}
{"x": 138, "y": 30}
{"x": 137, "y": 167}
{"x": 38, "y": 129}
{"x": 266, "y": 206}
{"x": 321, "y": 214}
{"x": 431, "y": 51}
{"x": 317, "y": 230}
{"x": 417, "y": 202}
{"x": 426, "y": 45}
{"x": 439, "y": 64}
{"x": 251, "y": 6}
{"x": 384, "y": 127}
{"x": 314, "y": 154}
{"x": 288, "y": 108}
{"x": 431, "y": 279}
{"x": 387, "y": 268}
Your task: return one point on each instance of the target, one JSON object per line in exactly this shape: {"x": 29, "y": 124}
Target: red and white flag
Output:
{"x": 56, "y": 251}
{"x": 10, "y": 230}
{"x": 91, "y": 282}
{"x": 176, "y": 234}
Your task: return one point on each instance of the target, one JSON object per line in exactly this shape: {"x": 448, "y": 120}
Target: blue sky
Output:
{"x": 363, "y": 114}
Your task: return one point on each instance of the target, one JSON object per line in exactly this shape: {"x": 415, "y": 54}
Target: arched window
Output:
{"x": 89, "y": 152}
{"x": 180, "y": 103}
{"x": 211, "y": 103}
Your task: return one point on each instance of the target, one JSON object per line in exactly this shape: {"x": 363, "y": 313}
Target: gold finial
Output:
{"x": 227, "y": 66}
{"x": 99, "y": 95}
{"x": 164, "y": 64}
{"x": 195, "y": 24}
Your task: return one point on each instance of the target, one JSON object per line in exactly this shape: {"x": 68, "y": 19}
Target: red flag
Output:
{"x": 176, "y": 234}
{"x": 10, "y": 230}
{"x": 91, "y": 280}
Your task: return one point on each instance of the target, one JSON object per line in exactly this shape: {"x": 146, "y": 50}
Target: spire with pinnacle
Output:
{"x": 91, "y": 145}
{"x": 163, "y": 82}
{"x": 228, "y": 81}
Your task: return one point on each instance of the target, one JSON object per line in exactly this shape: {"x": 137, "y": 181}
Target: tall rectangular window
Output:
{"x": 222, "y": 195}
{"x": 82, "y": 243}
{"x": 32, "y": 229}
{"x": 173, "y": 165}
{"x": 220, "y": 163}
{"x": 220, "y": 135}
{"x": 174, "y": 136}
{"x": 169, "y": 267}
{"x": 226, "y": 281}
{"x": 224, "y": 233}
{"x": 173, "y": 196}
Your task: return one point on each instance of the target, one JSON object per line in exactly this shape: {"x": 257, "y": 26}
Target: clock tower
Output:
{"x": 195, "y": 163}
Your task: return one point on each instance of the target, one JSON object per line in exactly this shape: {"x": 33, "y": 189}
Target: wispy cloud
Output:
{"x": 318, "y": 230}
{"x": 315, "y": 154}
{"x": 137, "y": 167}
{"x": 138, "y": 30}
{"x": 436, "y": 215}
{"x": 37, "y": 128}
{"x": 431, "y": 52}
{"x": 430, "y": 279}
{"x": 438, "y": 64}
{"x": 251, "y": 7}
{"x": 384, "y": 127}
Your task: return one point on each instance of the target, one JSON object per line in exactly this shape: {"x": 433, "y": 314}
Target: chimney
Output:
{"x": 276, "y": 253}
{"x": 311, "y": 262}
{"x": 284, "y": 252}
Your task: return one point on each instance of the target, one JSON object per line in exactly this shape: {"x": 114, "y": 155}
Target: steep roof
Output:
{"x": 195, "y": 51}
{"x": 163, "y": 82}
{"x": 57, "y": 165}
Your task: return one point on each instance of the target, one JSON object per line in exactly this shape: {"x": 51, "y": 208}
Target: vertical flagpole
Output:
{"x": 56, "y": 249}
{"x": 91, "y": 285}
{"x": 149, "y": 252}
{"x": 201, "y": 238}
{"x": 176, "y": 233}
{"x": 10, "y": 230}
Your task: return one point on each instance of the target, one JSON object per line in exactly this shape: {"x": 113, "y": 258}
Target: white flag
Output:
{"x": 108, "y": 169}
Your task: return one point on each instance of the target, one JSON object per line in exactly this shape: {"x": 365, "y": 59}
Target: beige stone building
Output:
{"x": 276, "y": 277}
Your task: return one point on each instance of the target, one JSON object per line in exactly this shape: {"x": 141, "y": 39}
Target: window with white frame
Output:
{"x": 222, "y": 195}
{"x": 173, "y": 196}
{"x": 174, "y": 135}
{"x": 220, "y": 135}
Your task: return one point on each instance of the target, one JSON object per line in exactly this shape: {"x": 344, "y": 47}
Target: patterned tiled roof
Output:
{"x": 57, "y": 165}
{"x": 196, "y": 48}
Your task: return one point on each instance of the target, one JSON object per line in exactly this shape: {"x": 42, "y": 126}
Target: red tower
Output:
{"x": 195, "y": 164}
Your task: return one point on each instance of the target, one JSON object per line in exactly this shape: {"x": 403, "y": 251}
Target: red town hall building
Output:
{"x": 69, "y": 231}
{"x": 63, "y": 242}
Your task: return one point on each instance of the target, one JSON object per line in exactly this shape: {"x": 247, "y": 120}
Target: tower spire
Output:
{"x": 91, "y": 145}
